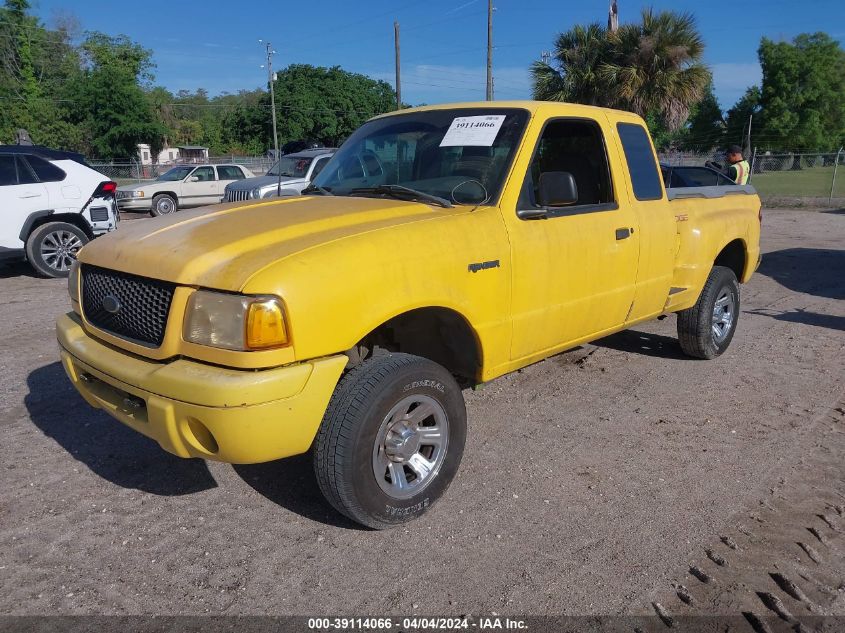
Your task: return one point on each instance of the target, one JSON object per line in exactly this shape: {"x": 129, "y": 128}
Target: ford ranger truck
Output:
{"x": 440, "y": 247}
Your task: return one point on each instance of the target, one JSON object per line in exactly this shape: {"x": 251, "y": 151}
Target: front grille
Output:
{"x": 99, "y": 214}
{"x": 120, "y": 195}
{"x": 137, "y": 306}
{"x": 236, "y": 195}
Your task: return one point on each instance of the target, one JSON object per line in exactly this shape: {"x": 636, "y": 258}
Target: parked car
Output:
{"x": 52, "y": 204}
{"x": 693, "y": 176}
{"x": 291, "y": 175}
{"x": 481, "y": 238}
{"x": 181, "y": 187}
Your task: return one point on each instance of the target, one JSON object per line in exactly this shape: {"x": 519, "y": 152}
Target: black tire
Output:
{"x": 52, "y": 247}
{"x": 698, "y": 326}
{"x": 164, "y": 204}
{"x": 345, "y": 452}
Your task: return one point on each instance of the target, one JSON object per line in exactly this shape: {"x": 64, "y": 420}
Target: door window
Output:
{"x": 203, "y": 174}
{"x": 318, "y": 166}
{"x": 694, "y": 177}
{"x": 230, "y": 172}
{"x": 8, "y": 173}
{"x": 25, "y": 174}
{"x": 641, "y": 162}
{"x": 575, "y": 146}
{"x": 45, "y": 170}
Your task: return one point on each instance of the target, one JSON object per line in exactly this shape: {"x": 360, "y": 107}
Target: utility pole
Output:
{"x": 271, "y": 79}
{"x": 489, "y": 50}
{"x": 613, "y": 17}
{"x": 398, "y": 79}
{"x": 748, "y": 138}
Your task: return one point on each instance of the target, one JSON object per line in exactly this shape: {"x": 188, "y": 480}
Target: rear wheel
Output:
{"x": 163, "y": 204}
{"x": 51, "y": 248}
{"x": 391, "y": 440}
{"x": 706, "y": 329}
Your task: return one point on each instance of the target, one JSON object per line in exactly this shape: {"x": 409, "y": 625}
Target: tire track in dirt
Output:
{"x": 765, "y": 567}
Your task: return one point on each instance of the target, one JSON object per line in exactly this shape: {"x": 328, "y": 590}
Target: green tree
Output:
{"x": 245, "y": 124}
{"x": 326, "y": 104}
{"x": 746, "y": 109}
{"x": 705, "y": 128}
{"x": 110, "y": 105}
{"x": 35, "y": 66}
{"x": 652, "y": 67}
{"x": 803, "y": 94}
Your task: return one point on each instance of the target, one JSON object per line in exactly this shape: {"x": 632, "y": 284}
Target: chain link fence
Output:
{"x": 132, "y": 172}
{"x": 784, "y": 178}
{"x": 781, "y": 178}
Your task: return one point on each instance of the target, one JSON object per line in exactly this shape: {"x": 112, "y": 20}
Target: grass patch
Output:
{"x": 808, "y": 182}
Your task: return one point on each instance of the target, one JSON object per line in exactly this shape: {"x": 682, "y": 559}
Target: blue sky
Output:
{"x": 214, "y": 44}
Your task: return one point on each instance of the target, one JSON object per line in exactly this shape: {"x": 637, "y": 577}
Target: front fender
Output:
{"x": 338, "y": 292}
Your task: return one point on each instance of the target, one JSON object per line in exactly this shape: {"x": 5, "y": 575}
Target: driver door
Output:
{"x": 200, "y": 187}
{"x": 574, "y": 268}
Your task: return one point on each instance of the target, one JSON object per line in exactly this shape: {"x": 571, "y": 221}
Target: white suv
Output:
{"x": 53, "y": 204}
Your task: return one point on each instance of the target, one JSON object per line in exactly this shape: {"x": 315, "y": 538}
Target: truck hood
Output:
{"x": 223, "y": 246}
{"x": 261, "y": 181}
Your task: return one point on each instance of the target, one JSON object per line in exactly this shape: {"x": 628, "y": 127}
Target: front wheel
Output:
{"x": 706, "y": 329}
{"x": 163, "y": 204}
{"x": 391, "y": 440}
{"x": 52, "y": 248}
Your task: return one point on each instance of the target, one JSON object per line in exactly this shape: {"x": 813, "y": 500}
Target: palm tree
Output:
{"x": 651, "y": 67}
{"x": 655, "y": 66}
{"x": 579, "y": 54}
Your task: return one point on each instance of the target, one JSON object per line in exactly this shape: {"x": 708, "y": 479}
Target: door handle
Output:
{"x": 624, "y": 233}
{"x": 29, "y": 194}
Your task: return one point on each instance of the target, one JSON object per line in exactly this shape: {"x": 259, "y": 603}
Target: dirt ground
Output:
{"x": 608, "y": 480}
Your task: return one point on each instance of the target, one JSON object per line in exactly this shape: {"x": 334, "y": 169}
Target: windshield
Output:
{"x": 291, "y": 166}
{"x": 177, "y": 173}
{"x": 461, "y": 155}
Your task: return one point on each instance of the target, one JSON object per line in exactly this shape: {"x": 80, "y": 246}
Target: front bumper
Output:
{"x": 196, "y": 410}
{"x": 135, "y": 204}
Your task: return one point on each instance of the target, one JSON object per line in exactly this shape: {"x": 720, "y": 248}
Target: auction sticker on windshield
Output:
{"x": 478, "y": 131}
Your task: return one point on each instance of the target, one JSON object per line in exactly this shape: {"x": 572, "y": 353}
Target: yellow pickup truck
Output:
{"x": 440, "y": 247}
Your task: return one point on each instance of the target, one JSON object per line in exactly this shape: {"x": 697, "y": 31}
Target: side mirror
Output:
{"x": 557, "y": 189}
{"x": 193, "y": 179}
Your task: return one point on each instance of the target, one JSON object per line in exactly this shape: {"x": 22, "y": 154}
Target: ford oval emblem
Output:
{"x": 111, "y": 304}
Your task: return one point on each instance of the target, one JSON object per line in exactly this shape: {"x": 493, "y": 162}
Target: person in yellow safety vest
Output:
{"x": 738, "y": 170}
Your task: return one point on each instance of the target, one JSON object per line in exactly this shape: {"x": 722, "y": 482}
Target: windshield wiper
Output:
{"x": 312, "y": 188}
{"x": 399, "y": 191}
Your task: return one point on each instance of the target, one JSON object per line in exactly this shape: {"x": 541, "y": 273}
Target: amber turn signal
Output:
{"x": 265, "y": 325}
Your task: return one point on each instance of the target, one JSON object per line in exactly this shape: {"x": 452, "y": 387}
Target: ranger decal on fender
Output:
{"x": 474, "y": 268}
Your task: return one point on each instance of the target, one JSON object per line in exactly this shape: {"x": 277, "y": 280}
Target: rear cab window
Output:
{"x": 642, "y": 164}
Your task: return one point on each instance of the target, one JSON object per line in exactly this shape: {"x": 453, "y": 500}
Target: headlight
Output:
{"x": 255, "y": 193}
{"x": 73, "y": 286}
{"x": 137, "y": 194}
{"x": 236, "y": 322}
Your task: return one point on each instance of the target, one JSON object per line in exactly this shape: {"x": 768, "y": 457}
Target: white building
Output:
{"x": 172, "y": 155}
